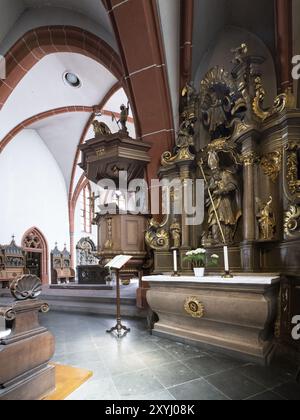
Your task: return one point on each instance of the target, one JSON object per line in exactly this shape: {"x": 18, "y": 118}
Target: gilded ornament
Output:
{"x": 175, "y": 231}
{"x": 157, "y": 237}
{"x": 266, "y": 221}
{"x": 184, "y": 143}
{"x": 271, "y": 165}
{"x": 293, "y": 169}
{"x": 280, "y": 102}
{"x": 249, "y": 159}
{"x": 292, "y": 222}
{"x": 194, "y": 307}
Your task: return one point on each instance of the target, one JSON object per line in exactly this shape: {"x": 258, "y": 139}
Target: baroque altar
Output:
{"x": 249, "y": 156}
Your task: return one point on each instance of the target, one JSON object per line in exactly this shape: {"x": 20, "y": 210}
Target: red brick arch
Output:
{"x": 39, "y": 42}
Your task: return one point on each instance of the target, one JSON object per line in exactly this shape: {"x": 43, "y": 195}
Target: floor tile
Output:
{"x": 198, "y": 390}
{"x": 173, "y": 374}
{"x": 137, "y": 383}
{"x": 266, "y": 396}
{"x": 235, "y": 385}
{"x": 290, "y": 391}
{"x": 268, "y": 377}
{"x": 96, "y": 390}
{"x": 206, "y": 365}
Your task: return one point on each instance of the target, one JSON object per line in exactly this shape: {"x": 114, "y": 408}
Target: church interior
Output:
{"x": 150, "y": 210}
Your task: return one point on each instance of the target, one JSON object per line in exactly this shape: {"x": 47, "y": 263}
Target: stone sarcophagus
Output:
{"x": 25, "y": 347}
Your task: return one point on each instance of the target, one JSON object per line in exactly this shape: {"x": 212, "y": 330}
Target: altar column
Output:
{"x": 184, "y": 175}
{"x": 249, "y": 197}
{"x": 249, "y": 251}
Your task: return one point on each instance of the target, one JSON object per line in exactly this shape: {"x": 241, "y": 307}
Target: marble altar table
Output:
{"x": 236, "y": 316}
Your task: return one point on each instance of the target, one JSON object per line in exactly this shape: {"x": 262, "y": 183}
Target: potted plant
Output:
{"x": 199, "y": 261}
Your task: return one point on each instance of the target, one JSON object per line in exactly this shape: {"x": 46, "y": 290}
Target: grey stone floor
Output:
{"x": 144, "y": 367}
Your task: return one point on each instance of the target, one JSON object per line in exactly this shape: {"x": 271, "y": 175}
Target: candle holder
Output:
{"x": 227, "y": 275}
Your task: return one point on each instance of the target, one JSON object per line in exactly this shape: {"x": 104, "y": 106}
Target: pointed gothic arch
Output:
{"x": 34, "y": 241}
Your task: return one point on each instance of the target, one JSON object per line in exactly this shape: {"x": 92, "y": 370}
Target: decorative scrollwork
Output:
{"x": 184, "y": 144}
{"x": 194, "y": 307}
{"x": 292, "y": 222}
{"x": 26, "y": 287}
{"x": 280, "y": 102}
{"x": 8, "y": 314}
{"x": 157, "y": 237}
{"x": 45, "y": 308}
{"x": 272, "y": 164}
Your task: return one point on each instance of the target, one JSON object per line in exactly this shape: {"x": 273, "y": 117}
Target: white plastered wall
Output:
{"x": 33, "y": 191}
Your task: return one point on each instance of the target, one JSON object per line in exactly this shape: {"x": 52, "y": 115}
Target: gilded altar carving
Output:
{"x": 292, "y": 153}
{"x": 271, "y": 164}
{"x": 157, "y": 236}
{"x": 280, "y": 102}
{"x": 250, "y": 158}
{"x": 184, "y": 145}
{"x": 266, "y": 220}
{"x": 292, "y": 222}
{"x": 194, "y": 307}
{"x": 222, "y": 104}
{"x": 225, "y": 205}
{"x": 189, "y": 103}
{"x": 175, "y": 231}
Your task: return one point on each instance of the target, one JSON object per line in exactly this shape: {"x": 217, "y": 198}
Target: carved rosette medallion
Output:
{"x": 194, "y": 307}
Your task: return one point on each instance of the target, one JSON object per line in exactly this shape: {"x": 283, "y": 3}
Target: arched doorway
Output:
{"x": 36, "y": 248}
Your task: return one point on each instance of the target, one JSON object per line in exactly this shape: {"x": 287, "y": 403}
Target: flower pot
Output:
{"x": 199, "y": 272}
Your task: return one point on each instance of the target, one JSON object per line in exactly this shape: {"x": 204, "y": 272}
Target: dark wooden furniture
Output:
{"x": 24, "y": 355}
{"x": 92, "y": 274}
{"x": 12, "y": 263}
{"x": 61, "y": 271}
{"x": 289, "y": 308}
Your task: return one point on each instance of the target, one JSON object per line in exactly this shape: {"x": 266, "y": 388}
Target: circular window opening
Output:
{"x": 72, "y": 80}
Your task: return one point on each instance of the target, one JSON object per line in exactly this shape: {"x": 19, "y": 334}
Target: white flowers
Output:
{"x": 215, "y": 256}
{"x": 199, "y": 251}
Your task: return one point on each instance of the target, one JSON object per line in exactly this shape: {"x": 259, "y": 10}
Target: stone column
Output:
{"x": 249, "y": 217}
{"x": 249, "y": 250}
{"x": 184, "y": 175}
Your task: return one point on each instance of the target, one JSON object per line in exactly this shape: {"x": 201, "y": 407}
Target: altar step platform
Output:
{"x": 88, "y": 300}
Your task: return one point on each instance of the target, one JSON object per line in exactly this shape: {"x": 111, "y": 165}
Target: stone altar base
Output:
{"x": 236, "y": 316}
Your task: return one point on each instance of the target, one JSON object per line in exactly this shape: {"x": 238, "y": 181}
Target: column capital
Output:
{"x": 250, "y": 158}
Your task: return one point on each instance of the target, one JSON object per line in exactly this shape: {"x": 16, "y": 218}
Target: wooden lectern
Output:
{"x": 116, "y": 264}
